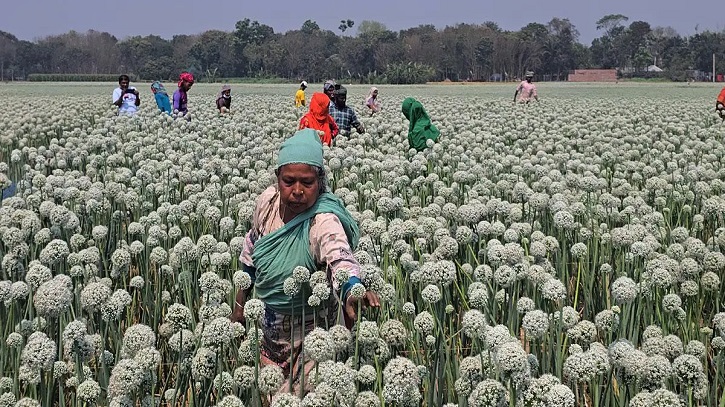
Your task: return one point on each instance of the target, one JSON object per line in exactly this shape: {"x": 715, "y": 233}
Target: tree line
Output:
{"x": 475, "y": 52}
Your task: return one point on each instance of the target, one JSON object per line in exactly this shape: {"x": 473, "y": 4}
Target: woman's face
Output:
{"x": 298, "y": 187}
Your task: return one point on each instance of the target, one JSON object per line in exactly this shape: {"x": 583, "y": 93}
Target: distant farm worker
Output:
{"x": 318, "y": 118}
{"x": 181, "y": 98}
{"x": 343, "y": 114}
{"x": 372, "y": 102}
{"x": 298, "y": 224}
{"x": 224, "y": 99}
{"x": 162, "y": 97}
{"x": 126, "y": 97}
{"x": 720, "y": 104}
{"x": 526, "y": 89}
{"x": 329, "y": 88}
{"x": 420, "y": 129}
{"x": 300, "y": 95}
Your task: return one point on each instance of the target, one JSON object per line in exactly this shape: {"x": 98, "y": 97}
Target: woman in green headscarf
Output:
{"x": 297, "y": 223}
{"x": 420, "y": 129}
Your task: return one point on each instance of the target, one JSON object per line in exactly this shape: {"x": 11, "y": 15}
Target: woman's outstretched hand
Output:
{"x": 370, "y": 299}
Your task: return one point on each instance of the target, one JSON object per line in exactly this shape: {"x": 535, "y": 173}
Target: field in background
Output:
{"x": 562, "y": 253}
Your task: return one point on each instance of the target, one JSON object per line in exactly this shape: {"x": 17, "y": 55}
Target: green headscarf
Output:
{"x": 420, "y": 128}
{"x": 277, "y": 254}
{"x": 304, "y": 147}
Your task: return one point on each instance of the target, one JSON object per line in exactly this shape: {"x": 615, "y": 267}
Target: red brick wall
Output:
{"x": 593, "y": 75}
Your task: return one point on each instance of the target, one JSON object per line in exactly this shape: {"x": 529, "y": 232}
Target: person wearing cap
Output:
{"x": 224, "y": 99}
{"x": 300, "y": 95}
{"x": 526, "y": 89}
{"x": 318, "y": 118}
{"x": 298, "y": 223}
{"x": 344, "y": 115}
{"x": 329, "y": 88}
{"x": 180, "y": 99}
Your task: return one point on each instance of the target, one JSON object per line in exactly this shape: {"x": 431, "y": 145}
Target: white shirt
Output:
{"x": 129, "y": 101}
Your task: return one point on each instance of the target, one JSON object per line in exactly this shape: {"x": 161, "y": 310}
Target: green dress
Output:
{"x": 420, "y": 129}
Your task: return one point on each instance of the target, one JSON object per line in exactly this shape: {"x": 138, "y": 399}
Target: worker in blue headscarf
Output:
{"x": 161, "y": 96}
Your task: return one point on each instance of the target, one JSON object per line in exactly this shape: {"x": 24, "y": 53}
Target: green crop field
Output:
{"x": 562, "y": 253}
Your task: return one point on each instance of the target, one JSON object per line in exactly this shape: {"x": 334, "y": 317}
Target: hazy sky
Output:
{"x": 32, "y": 19}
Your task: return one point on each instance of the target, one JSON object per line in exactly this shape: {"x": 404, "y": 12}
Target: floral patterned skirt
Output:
{"x": 283, "y": 336}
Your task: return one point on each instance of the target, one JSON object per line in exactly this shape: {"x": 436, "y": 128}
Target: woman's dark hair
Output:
{"x": 123, "y": 77}
{"x": 321, "y": 178}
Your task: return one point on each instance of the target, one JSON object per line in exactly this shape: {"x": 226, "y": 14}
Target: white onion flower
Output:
{"x": 137, "y": 337}
{"x": 88, "y": 391}
{"x": 400, "y": 382}
{"x": 319, "y": 345}
{"x": 535, "y": 323}
{"x": 431, "y": 294}
{"x": 489, "y": 393}
{"x": 254, "y": 309}
{"x": 53, "y": 297}
{"x": 230, "y": 401}
{"x": 394, "y": 333}
{"x": 270, "y": 379}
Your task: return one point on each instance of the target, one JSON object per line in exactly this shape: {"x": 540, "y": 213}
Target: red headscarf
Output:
{"x": 319, "y": 118}
{"x": 185, "y": 77}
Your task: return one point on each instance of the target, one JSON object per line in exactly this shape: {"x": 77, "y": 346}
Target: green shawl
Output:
{"x": 420, "y": 128}
{"x": 277, "y": 254}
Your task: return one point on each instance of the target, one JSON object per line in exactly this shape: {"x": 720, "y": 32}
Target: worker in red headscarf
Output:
{"x": 186, "y": 81}
{"x": 318, "y": 118}
{"x": 720, "y": 104}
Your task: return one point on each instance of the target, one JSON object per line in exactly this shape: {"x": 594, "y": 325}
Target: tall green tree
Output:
{"x": 612, "y": 24}
{"x": 376, "y": 46}
{"x": 8, "y": 48}
{"x": 310, "y": 27}
{"x": 563, "y": 36}
{"x": 246, "y": 33}
{"x": 608, "y": 50}
{"x": 215, "y": 52}
{"x": 149, "y": 56}
{"x": 345, "y": 25}
{"x": 373, "y": 54}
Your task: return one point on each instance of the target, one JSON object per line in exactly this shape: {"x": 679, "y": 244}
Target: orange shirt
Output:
{"x": 318, "y": 118}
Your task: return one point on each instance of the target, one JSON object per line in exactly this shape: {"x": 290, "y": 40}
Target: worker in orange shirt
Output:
{"x": 720, "y": 104}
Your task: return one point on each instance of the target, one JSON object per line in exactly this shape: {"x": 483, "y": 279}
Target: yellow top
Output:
{"x": 299, "y": 98}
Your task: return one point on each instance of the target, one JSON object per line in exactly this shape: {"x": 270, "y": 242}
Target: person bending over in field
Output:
{"x": 181, "y": 98}
{"x": 318, "y": 118}
{"x": 372, "y": 102}
{"x": 720, "y": 104}
{"x": 126, "y": 97}
{"x": 161, "y": 96}
{"x": 224, "y": 99}
{"x": 526, "y": 89}
{"x": 298, "y": 224}
{"x": 420, "y": 129}
{"x": 344, "y": 115}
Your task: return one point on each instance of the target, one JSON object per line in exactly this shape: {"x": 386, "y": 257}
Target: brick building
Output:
{"x": 593, "y": 75}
